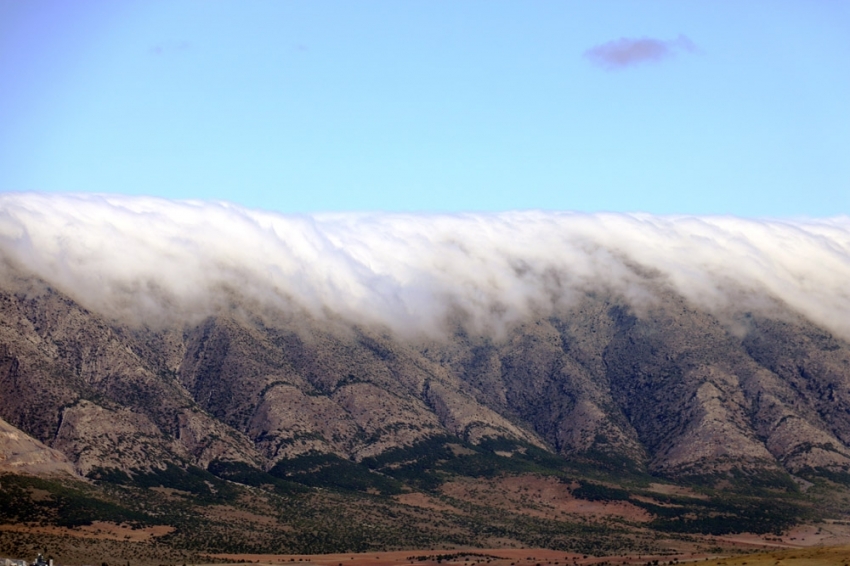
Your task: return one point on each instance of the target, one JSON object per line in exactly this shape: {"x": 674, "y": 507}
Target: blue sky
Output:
{"x": 692, "y": 107}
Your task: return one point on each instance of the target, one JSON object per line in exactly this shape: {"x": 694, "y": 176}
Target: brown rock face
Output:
{"x": 86, "y": 388}
{"x": 23, "y": 454}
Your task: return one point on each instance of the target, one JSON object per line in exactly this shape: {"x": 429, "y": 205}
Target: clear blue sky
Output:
{"x": 704, "y": 107}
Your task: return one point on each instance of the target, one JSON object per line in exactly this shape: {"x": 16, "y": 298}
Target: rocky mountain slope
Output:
{"x": 666, "y": 388}
{"x": 22, "y": 454}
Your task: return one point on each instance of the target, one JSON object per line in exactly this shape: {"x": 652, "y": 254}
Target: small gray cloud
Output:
{"x": 627, "y": 52}
{"x": 169, "y": 47}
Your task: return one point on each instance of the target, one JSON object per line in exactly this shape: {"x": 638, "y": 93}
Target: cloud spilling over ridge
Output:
{"x": 149, "y": 260}
{"x": 627, "y": 52}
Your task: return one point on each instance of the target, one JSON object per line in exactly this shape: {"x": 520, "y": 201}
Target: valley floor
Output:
{"x": 729, "y": 556}
{"x": 800, "y": 546}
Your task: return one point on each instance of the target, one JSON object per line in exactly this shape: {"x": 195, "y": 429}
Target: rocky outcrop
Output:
{"x": 22, "y": 454}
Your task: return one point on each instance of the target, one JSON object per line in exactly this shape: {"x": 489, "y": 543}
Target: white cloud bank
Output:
{"x": 145, "y": 259}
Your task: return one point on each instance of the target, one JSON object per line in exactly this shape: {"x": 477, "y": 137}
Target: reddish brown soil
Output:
{"x": 425, "y": 501}
{"x": 539, "y": 496}
{"x": 97, "y": 530}
{"x": 466, "y": 557}
{"x": 807, "y": 537}
{"x": 822, "y": 534}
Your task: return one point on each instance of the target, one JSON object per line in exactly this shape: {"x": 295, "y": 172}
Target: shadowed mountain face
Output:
{"x": 666, "y": 388}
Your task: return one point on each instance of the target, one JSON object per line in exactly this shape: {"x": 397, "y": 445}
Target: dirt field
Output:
{"x": 812, "y": 556}
{"x": 494, "y": 557}
{"x": 97, "y": 530}
{"x": 539, "y": 496}
{"x": 815, "y": 556}
{"x": 809, "y": 545}
{"x": 829, "y": 534}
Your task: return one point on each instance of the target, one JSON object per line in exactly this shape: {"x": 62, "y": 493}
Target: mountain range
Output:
{"x": 669, "y": 389}
{"x": 609, "y": 387}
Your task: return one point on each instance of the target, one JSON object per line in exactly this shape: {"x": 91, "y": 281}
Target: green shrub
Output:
{"x": 331, "y": 471}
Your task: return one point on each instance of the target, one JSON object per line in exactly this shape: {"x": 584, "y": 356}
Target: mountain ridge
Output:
{"x": 315, "y": 373}
{"x": 671, "y": 389}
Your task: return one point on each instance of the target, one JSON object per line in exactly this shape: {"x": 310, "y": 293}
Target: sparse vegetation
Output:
{"x": 25, "y": 499}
